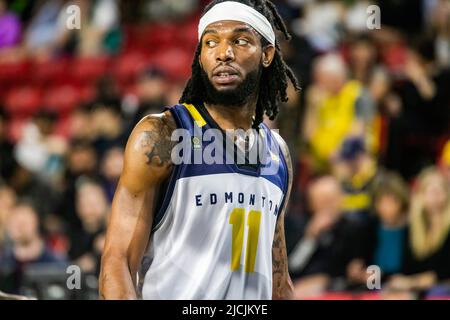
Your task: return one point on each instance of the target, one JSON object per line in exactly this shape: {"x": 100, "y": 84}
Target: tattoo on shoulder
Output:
{"x": 157, "y": 144}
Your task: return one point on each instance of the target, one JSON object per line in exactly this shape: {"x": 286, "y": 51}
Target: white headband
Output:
{"x": 232, "y": 10}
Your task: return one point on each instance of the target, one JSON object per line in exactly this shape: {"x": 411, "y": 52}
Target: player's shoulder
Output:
{"x": 161, "y": 123}
{"x": 282, "y": 143}
{"x": 150, "y": 142}
{"x": 284, "y": 151}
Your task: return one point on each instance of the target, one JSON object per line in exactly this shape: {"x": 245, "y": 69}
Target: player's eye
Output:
{"x": 211, "y": 43}
{"x": 241, "y": 42}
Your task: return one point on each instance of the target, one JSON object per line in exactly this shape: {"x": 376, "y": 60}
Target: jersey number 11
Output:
{"x": 237, "y": 220}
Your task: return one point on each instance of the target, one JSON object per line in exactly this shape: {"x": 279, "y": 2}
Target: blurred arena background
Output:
{"x": 369, "y": 136}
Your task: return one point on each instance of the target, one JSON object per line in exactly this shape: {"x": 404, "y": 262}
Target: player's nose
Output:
{"x": 225, "y": 52}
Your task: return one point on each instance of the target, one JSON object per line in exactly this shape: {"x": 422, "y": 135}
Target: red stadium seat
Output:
{"x": 187, "y": 36}
{"x": 136, "y": 38}
{"x": 15, "y": 128}
{"x": 53, "y": 71}
{"x": 130, "y": 37}
{"x": 4, "y": 90}
{"x": 14, "y": 74}
{"x": 176, "y": 62}
{"x": 129, "y": 65}
{"x": 23, "y": 101}
{"x": 62, "y": 99}
{"x": 160, "y": 36}
{"x": 87, "y": 93}
{"x": 88, "y": 69}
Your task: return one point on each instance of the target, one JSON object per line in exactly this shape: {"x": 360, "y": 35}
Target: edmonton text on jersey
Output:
{"x": 220, "y": 199}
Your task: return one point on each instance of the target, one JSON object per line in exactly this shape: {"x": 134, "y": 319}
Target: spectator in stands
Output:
{"x": 7, "y": 203}
{"x": 321, "y": 24}
{"x": 325, "y": 243}
{"x": 23, "y": 9}
{"x": 81, "y": 161}
{"x": 101, "y": 32}
{"x": 86, "y": 242}
{"x": 444, "y": 160}
{"x": 10, "y": 27}
{"x": 80, "y": 128}
{"x": 439, "y": 23}
{"x": 6, "y": 148}
{"x": 362, "y": 58}
{"x": 172, "y": 96}
{"x": 26, "y": 184}
{"x": 27, "y": 246}
{"x": 356, "y": 16}
{"x": 106, "y": 89}
{"x": 41, "y": 148}
{"x": 383, "y": 105}
{"x": 107, "y": 125}
{"x": 356, "y": 169}
{"x": 333, "y": 110}
{"x": 111, "y": 168}
{"x": 386, "y": 235}
{"x": 427, "y": 258}
{"x": 44, "y": 32}
{"x": 424, "y": 114}
{"x": 151, "y": 90}
{"x": 168, "y": 9}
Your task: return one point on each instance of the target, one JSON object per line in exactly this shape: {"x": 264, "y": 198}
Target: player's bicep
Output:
{"x": 145, "y": 167}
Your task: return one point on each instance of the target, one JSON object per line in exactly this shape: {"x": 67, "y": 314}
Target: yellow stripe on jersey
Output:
{"x": 195, "y": 114}
{"x": 237, "y": 218}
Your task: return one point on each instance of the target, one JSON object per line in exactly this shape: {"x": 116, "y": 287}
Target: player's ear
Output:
{"x": 267, "y": 55}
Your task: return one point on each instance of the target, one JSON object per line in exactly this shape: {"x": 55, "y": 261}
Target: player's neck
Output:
{"x": 229, "y": 117}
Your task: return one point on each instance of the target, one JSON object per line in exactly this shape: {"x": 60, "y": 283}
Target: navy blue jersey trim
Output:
{"x": 286, "y": 169}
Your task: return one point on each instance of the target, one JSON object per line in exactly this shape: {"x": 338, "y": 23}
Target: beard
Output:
{"x": 232, "y": 97}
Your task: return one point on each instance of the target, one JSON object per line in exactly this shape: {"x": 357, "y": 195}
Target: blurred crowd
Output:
{"x": 369, "y": 135}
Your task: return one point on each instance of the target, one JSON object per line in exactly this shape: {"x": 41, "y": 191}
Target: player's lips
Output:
{"x": 225, "y": 75}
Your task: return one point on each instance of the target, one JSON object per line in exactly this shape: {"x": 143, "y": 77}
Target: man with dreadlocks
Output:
{"x": 202, "y": 230}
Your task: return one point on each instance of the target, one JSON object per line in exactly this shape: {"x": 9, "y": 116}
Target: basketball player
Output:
{"x": 208, "y": 231}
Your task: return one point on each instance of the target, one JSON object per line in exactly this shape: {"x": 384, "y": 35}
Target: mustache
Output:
{"x": 225, "y": 68}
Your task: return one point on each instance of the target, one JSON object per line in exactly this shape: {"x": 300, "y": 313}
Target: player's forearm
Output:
{"x": 116, "y": 280}
{"x": 283, "y": 289}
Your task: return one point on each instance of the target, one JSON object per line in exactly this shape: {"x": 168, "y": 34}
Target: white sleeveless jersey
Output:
{"x": 213, "y": 233}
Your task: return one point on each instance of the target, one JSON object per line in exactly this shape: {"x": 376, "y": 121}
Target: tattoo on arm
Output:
{"x": 279, "y": 263}
{"x": 157, "y": 144}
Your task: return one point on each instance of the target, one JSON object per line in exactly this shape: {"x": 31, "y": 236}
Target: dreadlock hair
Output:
{"x": 274, "y": 79}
